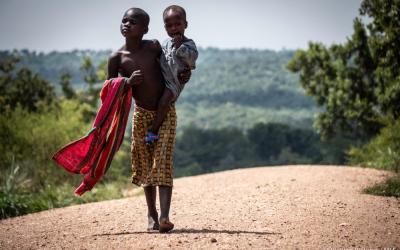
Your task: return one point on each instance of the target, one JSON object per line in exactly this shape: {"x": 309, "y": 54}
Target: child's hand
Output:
{"x": 136, "y": 78}
{"x": 184, "y": 76}
{"x": 178, "y": 40}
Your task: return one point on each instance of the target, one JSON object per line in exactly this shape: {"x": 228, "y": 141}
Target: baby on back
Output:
{"x": 179, "y": 57}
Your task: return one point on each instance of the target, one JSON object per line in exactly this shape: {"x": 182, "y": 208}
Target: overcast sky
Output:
{"x": 46, "y": 25}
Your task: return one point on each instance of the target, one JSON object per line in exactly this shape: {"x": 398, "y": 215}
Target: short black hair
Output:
{"x": 141, "y": 14}
{"x": 176, "y": 8}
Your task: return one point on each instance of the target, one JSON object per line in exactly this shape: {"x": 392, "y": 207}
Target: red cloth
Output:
{"x": 92, "y": 154}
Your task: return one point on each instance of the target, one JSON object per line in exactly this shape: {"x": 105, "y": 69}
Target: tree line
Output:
{"x": 200, "y": 151}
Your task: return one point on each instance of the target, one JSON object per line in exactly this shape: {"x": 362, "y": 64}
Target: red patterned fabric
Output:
{"x": 92, "y": 154}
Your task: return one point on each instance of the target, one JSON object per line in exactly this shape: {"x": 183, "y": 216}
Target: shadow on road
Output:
{"x": 192, "y": 231}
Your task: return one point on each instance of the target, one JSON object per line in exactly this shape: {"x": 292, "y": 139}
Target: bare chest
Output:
{"x": 144, "y": 62}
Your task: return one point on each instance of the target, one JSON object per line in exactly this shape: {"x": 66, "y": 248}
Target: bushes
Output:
{"x": 21, "y": 194}
{"x": 14, "y": 205}
{"x": 31, "y": 181}
{"x": 382, "y": 152}
{"x": 391, "y": 187}
{"x": 29, "y": 140}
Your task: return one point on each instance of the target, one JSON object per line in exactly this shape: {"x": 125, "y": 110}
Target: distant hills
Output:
{"x": 229, "y": 88}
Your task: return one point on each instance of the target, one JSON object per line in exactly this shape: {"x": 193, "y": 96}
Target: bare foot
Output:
{"x": 153, "y": 223}
{"x": 165, "y": 225}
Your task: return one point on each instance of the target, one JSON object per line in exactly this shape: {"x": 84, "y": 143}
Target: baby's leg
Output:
{"x": 151, "y": 196}
{"x": 162, "y": 110}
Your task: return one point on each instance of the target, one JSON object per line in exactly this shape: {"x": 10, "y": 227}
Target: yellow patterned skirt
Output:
{"x": 152, "y": 165}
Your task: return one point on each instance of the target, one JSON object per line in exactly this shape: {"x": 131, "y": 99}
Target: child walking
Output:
{"x": 152, "y": 166}
{"x": 179, "y": 56}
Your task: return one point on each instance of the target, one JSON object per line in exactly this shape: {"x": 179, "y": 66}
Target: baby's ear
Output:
{"x": 146, "y": 30}
{"x": 186, "y": 24}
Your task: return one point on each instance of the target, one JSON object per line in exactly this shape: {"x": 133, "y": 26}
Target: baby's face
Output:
{"x": 174, "y": 24}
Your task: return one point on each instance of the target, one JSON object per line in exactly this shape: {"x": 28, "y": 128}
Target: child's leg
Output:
{"x": 165, "y": 200}
{"x": 162, "y": 110}
{"x": 151, "y": 196}
{"x": 165, "y": 203}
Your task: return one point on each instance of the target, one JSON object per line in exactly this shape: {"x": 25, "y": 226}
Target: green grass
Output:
{"x": 390, "y": 187}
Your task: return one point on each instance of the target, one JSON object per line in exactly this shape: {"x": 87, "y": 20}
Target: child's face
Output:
{"x": 174, "y": 24}
{"x": 132, "y": 25}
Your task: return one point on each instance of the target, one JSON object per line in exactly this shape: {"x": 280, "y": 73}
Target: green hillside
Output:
{"x": 229, "y": 88}
{"x": 239, "y": 88}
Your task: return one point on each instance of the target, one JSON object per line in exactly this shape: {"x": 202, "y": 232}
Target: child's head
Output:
{"x": 175, "y": 20}
{"x": 135, "y": 23}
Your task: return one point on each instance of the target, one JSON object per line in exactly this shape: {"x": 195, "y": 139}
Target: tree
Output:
{"x": 22, "y": 87}
{"x": 269, "y": 139}
{"x": 358, "y": 82}
{"x": 91, "y": 79}
{"x": 68, "y": 91}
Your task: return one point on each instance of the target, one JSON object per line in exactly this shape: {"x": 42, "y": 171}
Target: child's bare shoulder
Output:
{"x": 115, "y": 56}
{"x": 153, "y": 45}
{"x": 115, "y": 62}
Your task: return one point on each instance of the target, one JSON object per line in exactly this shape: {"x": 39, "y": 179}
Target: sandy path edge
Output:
{"x": 304, "y": 206}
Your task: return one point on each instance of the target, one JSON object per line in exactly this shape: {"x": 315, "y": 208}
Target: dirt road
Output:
{"x": 288, "y": 207}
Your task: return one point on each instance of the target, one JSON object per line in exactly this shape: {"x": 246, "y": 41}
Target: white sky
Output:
{"x": 46, "y": 25}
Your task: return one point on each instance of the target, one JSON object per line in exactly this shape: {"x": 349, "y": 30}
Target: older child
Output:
{"x": 180, "y": 54}
{"x": 152, "y": 166}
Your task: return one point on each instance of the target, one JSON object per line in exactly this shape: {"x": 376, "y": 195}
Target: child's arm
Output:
{"x": 136, "y": 78}
{"x": 113, "y": 64}
{"x": 156, "y": 46}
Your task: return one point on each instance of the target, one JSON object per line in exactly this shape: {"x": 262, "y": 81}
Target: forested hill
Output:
{"x": 247, "y": 77}
{"x": 51, "y": 65}
{"x": 243, "y": 87}
{"x": 228, "y": 88}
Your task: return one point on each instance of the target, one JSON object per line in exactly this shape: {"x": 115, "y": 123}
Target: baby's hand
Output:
{"x": 178, "y": 40}
{"x": 184, "y": 76}
{"x": 136, "y": 78}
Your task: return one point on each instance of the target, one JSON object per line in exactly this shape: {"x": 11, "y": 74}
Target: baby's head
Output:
{"x": 135, "y": 22}
{"x": 175, "y": 23}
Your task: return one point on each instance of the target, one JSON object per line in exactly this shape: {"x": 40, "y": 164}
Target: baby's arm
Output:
{"x": 184, "y": 76}
{"x": 188, "y": 53}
